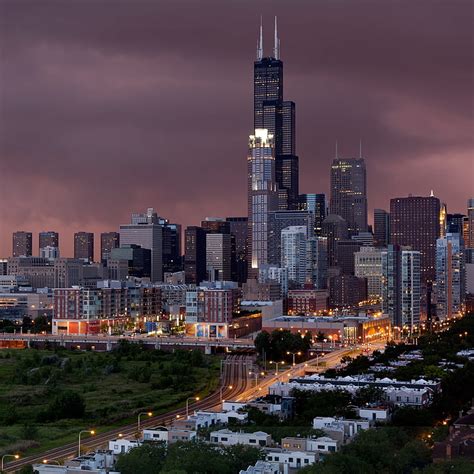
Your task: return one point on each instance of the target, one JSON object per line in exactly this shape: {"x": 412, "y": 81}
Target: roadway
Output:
{"x": 234, "y": 374}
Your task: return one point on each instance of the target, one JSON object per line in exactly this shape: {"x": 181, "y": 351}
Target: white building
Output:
{"x": 262, "y": 467}
{"x": 333, "y": 425}
{"x": 322, "y": 444}
{"x": 229, "y": 438}
{"x": 292, "y": 459}
{"x": 123, "y": 445}
{"x": 99, "y": 462}
{"x": 381, "y": 414}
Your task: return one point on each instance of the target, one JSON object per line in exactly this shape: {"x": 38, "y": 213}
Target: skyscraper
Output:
{"x": 450, "y": 276}
{"x": 262, "y": 196}
{"x": 349, "y": 192}
{"x": 271, "y": 112}
{"x": 316, "y": 203}
{"x": 317, "y": 261}
{"x": 381, "y": 228}
{"x": 145, "y": 230}
{"x": 22, "y": 244}
{"x": 108, "y": 241}
{"x": 401, "y": 286}
{"x": 470, "y": 223}
{"x": 294, "y": 254}
{"x": 455, "y": 223}
{"x": 239, "y": 233}
{"x": 194, "y": 255}
{"x": 368, "y": 265}
{"x": 84, "y": 246}
{"x": 415, "y": 222}
{"x": 48, "y": 239}
{"x": 334, "y": 228}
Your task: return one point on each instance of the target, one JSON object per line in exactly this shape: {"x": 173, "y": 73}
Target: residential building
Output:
{"x": 322, "y": 444}
{"x": 291, "y": 459}
{"x": 294, "y": 254}
{"x": 229, "y": 438}
{"x": 450, "y": 276}
{"x": 317, "y": 261}
{"x": 307, "y": 301}
{"x": 368, "y": 265}
{"x": 347, "y": 290}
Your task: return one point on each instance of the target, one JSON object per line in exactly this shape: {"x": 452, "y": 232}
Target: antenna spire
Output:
{"x": 260, "y": 43}
{"x": 337, "y": 155}
{"x": 276, "y": 44}
{"x": 360, "y": 148}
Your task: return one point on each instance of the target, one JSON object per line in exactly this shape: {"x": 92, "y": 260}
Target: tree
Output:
{"x": 145, "y": 459}
{"x": 262, "y": 343}
{"x": 66, "y": 404}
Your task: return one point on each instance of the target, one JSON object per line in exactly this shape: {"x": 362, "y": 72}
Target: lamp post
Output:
{"x": 230, "y": 387}
{"x": 14, "y": 456}
{"x": 147, "y": 413}
{"x": 91, "y": 432}
{"x": 294, "y": 354}
{"x": 187, "y": 404}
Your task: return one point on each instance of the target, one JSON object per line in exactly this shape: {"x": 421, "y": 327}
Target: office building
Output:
{"x": 22, "y": 244}
{"x": 280, "y": 220}
{"x": 381, "y": 228}
{"x": 349, "y": 192}
{"x": 216, "y": 225}
{"x": 334, "y": 228}
{"x": 239, "y": 233}
{"x": 84, "y": 246}
{"x": 108, "y": 241}
{"x": 401, "y": 286}
{"x": 347, "y": 291}
{"x": 194, "y": 255}
{"x": 277, "y": 116}
{"x": 455, "y": 223}
{"x": 146, "y": 231}
{"x": 49, "y": 252}
{"x": 415, "y": 222}
{"x": 49, "y": 239}
{"x": 450, "y": 276}
{"x": 316, "y": 203}
{"x": 218, "y": 257}
{"x": 294, "y": 254}
{"x": 138, "y": 259}
{"x": 262, "y": 196}
{"x": 368, "y": 265}
{"x": 172, "y": 261}
{"x": 365, "y": 239}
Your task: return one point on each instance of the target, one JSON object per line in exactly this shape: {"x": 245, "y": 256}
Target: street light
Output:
{"x": 91, "y": 432}
{"x": 294, "y": 354}
{"x": 147, "y": 413}
{"x": 230, "y": 387}
{"x": 14, "y": 456}
{"x": 187, "y": 404}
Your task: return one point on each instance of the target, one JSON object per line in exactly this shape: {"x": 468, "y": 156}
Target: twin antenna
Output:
{"x": 276, "y": 43}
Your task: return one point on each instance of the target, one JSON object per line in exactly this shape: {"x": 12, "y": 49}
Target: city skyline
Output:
{"x": 90, "y": 87}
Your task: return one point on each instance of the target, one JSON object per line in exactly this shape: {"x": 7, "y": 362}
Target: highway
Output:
{"x": 234, "y": 374}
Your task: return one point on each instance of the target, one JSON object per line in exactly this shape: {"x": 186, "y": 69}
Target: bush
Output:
{"x": 67, "y": 404}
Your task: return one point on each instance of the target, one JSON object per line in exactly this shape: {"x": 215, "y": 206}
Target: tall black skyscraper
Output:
{"x": 278, "y": 117}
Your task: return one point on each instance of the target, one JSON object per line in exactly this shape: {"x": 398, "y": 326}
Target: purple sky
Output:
{"x": 108, "y": 108}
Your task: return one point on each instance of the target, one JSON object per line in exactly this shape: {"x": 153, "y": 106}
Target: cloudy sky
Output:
{"x": 109, "y": 107}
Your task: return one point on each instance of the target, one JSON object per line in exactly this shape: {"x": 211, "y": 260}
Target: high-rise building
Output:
{"x": 317, "y": 261}
{"x": 334, "y": 228}
{"x": 401, "y": 286}
{"x": 316, "y": 203}
{"x": 470, "y": 224}
{"x": 172, "y": 261}
{"x": 218, "y": 257}
{"x": 194, "y": 255}
{"x": 364, "y": 238}
{"x": 271, "y": 112}
{"x": 49, "y": 252}
{"x": 147, "y": 231}
{"x": 349, "y": 192}
{"x": 368, "y": 265}
{"x": 108, "y": 241}
{"x": 455, "y": 223}
{"x": 450, "y": 276}
{"x": 84, "y": 246}
{"x": 216, "y": 225}
{"x": 381, "y": 228}
{"x": 239, "y": 233}
{"x": 347, "y": 290}
{"x": 262, "y": 196}
{"x": 294, "y": 254}
{"x": 138, "y": 259}
{"x": 49, "y": 239}
{"x": 345, "y": 250}
{"x": 22, "y": 244}
{"x": 415, "y": 222}
{"x": 280, "y": 220}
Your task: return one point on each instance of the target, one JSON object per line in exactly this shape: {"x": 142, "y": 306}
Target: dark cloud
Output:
{"x": 109, "y": 107}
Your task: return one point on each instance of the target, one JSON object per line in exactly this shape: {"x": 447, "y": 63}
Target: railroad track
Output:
{"x": 234, "y": 374}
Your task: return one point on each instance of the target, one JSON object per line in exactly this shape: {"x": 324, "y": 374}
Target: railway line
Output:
{"x": 234, "y": 375}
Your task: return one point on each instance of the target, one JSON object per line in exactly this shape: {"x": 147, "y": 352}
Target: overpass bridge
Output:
{"x": 107, "y": 343}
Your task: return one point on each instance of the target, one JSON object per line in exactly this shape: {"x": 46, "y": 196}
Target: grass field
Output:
{"x": 113, "y": 386}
